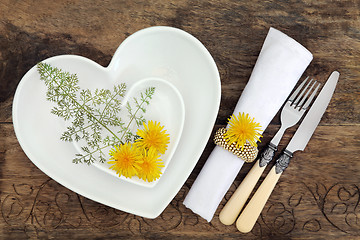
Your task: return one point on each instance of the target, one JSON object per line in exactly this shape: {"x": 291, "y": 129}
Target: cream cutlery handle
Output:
{"x": 248, "y": 217}
{"x": 237, "y": 201}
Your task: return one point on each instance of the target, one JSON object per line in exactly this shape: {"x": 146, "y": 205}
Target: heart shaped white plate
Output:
{"x": 163, "y": 53}
{"x": 166, "y": 107}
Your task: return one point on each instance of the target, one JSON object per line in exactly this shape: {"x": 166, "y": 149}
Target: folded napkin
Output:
{"x": 279, "y": 66}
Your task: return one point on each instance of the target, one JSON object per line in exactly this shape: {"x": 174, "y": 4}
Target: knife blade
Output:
{"x": 313, "y": 117}
{"x": 307, "y": 127}
{"x": 248, "y": 217}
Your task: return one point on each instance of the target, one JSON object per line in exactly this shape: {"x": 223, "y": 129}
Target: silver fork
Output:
{"x": 293, "y": 110}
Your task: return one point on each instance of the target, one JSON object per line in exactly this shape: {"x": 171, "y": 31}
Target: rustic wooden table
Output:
{"x": 317, "y": 197}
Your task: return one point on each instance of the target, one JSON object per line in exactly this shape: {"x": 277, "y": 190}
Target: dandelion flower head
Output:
{"x": 150, "y": 168}
{"x": 243, "y": 129}
{"x": 125, "y": 160}
{"x": 153, "y": 136}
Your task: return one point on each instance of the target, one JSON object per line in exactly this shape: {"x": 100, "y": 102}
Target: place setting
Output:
{"x": 281, "y": 63}
{"x": 141, "y": 124}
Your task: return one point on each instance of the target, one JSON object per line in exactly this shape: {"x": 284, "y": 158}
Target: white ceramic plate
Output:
{"x": 158, "y": 52}
{"x": 161, "y": 109}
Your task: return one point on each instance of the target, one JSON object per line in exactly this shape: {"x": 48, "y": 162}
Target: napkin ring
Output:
{"x": 248, "y": 153}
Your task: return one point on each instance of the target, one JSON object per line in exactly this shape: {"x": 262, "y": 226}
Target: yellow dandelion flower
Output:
{"x": 243, "y": 129}
{"x": 153, "y": 136}
{"x": 125, "y": 159}
{"x": 150, "y": 168}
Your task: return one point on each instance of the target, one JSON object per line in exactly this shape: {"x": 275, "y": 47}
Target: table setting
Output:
{"x": 178, "y": 131}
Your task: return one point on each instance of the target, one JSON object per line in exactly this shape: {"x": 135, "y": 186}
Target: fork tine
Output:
{"x": 302, "y": 93}
{"x": 296, "y": 92}
{"x": 307, "y": 103}
{"x": 306, "y": 95}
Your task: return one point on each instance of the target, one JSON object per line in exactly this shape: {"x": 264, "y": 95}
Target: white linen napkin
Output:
{"x": 279, "y": 66}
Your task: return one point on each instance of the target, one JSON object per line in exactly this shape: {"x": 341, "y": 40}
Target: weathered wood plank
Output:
{"x": 316, "y": 196}
{"x": 233, "y": 33}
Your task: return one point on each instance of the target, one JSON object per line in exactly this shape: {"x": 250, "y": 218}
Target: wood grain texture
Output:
{"x": 317, "y": 197}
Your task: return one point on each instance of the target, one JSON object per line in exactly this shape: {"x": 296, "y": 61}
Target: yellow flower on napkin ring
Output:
{"x": 241, "y": 137}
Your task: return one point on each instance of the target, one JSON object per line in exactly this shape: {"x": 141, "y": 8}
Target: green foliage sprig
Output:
{"x": 94, "y": 115}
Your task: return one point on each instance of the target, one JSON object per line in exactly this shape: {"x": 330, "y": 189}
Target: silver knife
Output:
{"x": 248, "y": 217}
